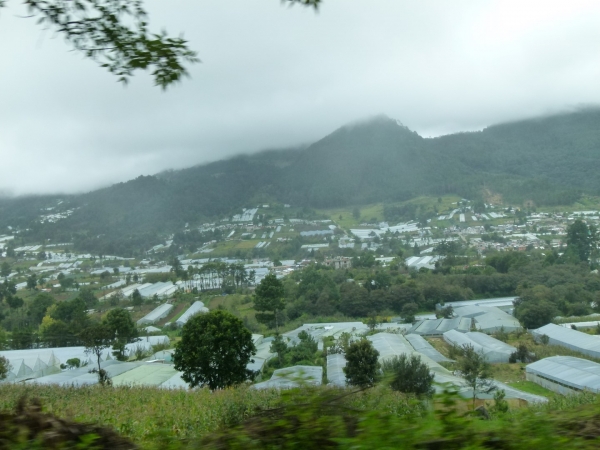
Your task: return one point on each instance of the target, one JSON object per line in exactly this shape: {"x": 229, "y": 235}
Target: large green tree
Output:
{"x": 409, "y": 374}
{"x": 362, "y": 366}
{"x": 214, "y": 350}
{"x": 269, "y": 298}
{"x": 122, "y": 328}
{"x": 582, "y": 240}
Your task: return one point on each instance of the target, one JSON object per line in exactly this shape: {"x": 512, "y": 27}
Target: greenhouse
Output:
{"x": 155, "y": 315}
{"x": 389, "y": 345}
{"x": 495, "y": 351}
{"x": 320, "y": 330}
{"x": 292, "y": 377}
{"x": 569, "y": 338}
{"x": 496, "y": 320}
{"x": 565, "y": 374}
{"x": 39, "y": 362}
{"x": 422, "y": 346}
{"x": 196, "y": 308}
{"x": 145, "y": 375}
{"x": 82, "y": 375}
{"x": 335, "y": 369}
{"x": 438, "y": 327}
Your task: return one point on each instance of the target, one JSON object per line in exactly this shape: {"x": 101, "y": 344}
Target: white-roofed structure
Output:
{"x": 335, "y": 369}
{"x": 196, "y": 308}
{"x": 390, "y": 345}
{"x": 418, "y": 262}
{"x": 495, "y": 351}
{"x": 496, "y": 320}
{"x": 156, "y": 314}
{"x": 320, "y": 330}
{"x": 425, "y": 348}
{"x": 565, "y": 374}
{"x": 160, "y": 289}
{"x": 569, "y": 338}
{"x": 292, "y": 377}
{"x": 499, "y": 302}
{"x": 488, "y": 319}
{"x": 438, "y": 327}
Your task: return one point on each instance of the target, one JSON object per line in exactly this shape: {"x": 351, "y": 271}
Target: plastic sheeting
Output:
{"x": 292, "y": 377}
{"x": 196, "y": 308}
{"x": 495, "y": 351}
{"x": 575, "y": 340}
{"x": 425, "y": 348}
{"x": 440, "y": 326}
{"x": 576, "y": 373}
{"x": 335, "y": 369}
{"x": 156, "y": 314}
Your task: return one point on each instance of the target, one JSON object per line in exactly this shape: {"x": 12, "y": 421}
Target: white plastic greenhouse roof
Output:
{"x": 156, "y": 314}
{"x": 425, "y": 348}
{"x": 493, "y": 349}
{"x": 294, "y": 376}
{"x": 470, "y": 310}
{"x": 320, "y": 330}
{"x": 577, "y": 373}
{"x": 440, "y": 326}
{"x": 565, "y": 337}
{"x": 490, "y": 343}
{"x": 498, "y": 302}
{"x": 389, "y": 345}
{"x": 335, "y": 369}
{"x": 197, "y": 307}
{"x": 496, "y": 319}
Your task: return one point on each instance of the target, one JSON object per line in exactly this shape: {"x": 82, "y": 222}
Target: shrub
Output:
{"x": 409, "y": 375}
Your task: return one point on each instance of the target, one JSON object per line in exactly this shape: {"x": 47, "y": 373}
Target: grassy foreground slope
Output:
{"x": 311, "y": 418}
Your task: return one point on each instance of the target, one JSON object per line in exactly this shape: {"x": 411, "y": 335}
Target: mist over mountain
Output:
{"x": 545, "y": 161}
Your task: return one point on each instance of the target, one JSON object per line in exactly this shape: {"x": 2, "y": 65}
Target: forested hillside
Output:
{"x": 546, "y": 161}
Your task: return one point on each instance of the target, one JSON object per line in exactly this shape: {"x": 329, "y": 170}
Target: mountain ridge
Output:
{"x": 544, "y": 161}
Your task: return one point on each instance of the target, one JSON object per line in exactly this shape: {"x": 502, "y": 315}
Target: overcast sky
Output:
{"x": 273, "y": 76}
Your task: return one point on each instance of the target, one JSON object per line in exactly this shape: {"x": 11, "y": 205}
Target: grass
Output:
{"x": 532, "y": 388}
{"x": 312, "y": 417}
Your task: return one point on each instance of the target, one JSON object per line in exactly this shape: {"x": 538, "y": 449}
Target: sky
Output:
{"x": 274, "y": 76}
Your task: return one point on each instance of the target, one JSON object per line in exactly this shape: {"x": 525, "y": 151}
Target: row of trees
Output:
{"x": 409, "y": 374}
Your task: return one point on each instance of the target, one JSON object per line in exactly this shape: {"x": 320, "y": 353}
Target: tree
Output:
{"x": 447, "y": 312}
{"x": 96, "y": 339}
{"x": 5, "y": 367}
{"x": 408, "y": 312}
{"x": 534, "y": 314}
{"x": 31, "y": 282}
{"x": 115, "y": 34}
{"x": 279, "y": 347}
{"x": 87, "y": 295}
{"x": 476, "y": 371}
{"x": 5, "y": 269}
{"x": 136, "y": 298}
{"x": 73, "y": 363}
{"x": 215, "y": 349}
{"x": 269, "y": 296}
{"x": 409, "y": 375}
{"x": 362, "y": 364}
{"x": 14, "y": 302}
{"x": 582, "y": 240}
{"x": 122, "y": 328}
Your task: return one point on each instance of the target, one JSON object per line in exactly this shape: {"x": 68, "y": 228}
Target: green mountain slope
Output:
{"x": 549, "y": 161}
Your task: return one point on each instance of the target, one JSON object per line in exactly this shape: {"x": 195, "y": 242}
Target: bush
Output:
{"x": 409, "y": 375}
{"x": 362, "y": 366}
